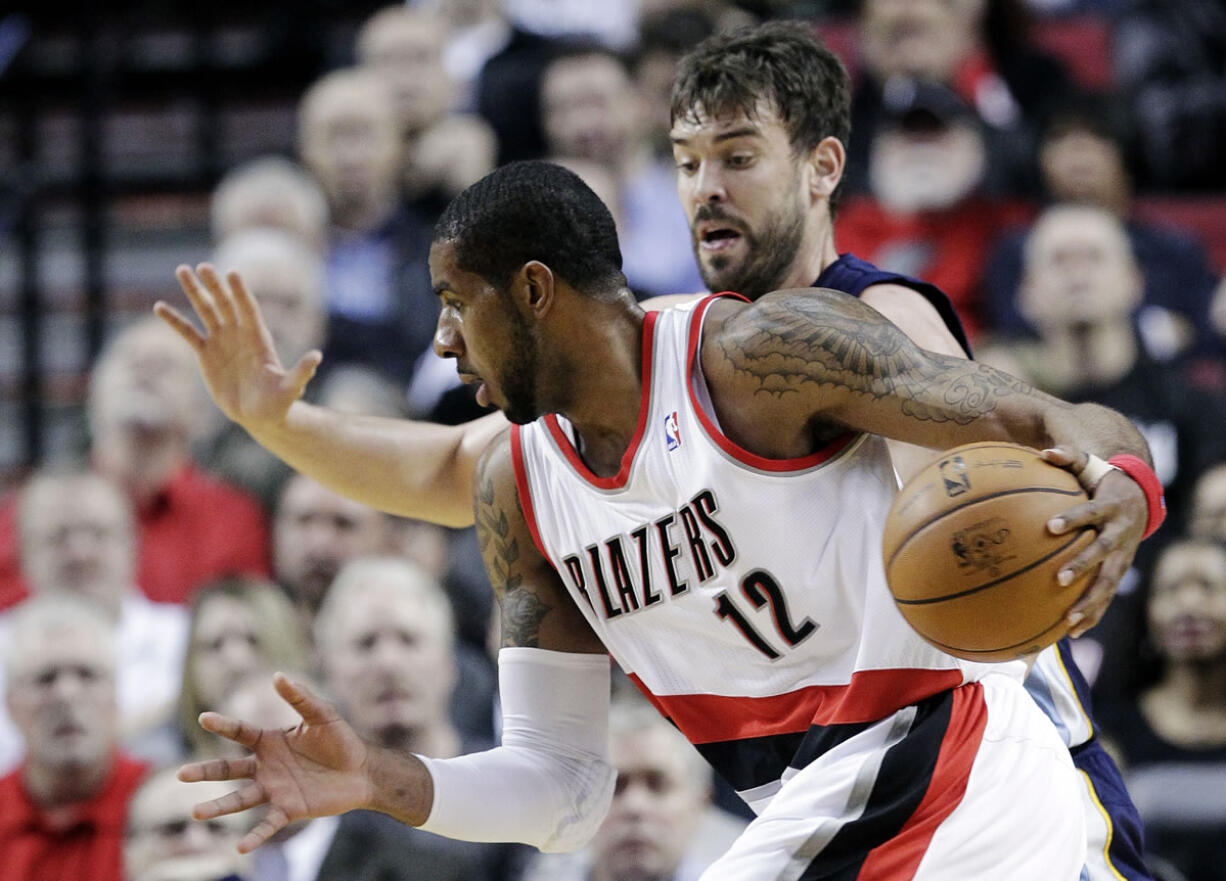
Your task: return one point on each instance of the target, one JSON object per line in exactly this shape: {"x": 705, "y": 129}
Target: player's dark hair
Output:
{"x": 534, "y": 211}
{"x": 781, "y": 62}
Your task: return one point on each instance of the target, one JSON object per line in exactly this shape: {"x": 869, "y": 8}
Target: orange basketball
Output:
{"x": 968, "y": 556}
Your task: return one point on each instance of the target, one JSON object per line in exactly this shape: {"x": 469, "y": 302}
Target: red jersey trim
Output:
{"x": 871, "y": 695}
{"x": 618, "y": 480}
{"x": 722, "y": 441}
{"x": 899, "y": 858}
{"x": 525, "y": 491}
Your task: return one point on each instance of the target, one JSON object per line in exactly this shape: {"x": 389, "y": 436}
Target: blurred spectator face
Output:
{"x": 924, "y": 38}
{"x": 1209, "y": 505}
{"x": 161, "y": 828}
{"x": 145, "y": 381}
{"x": 656, "y": 806}
{"x": 61, "y": 692}
{"x": 405, "y": 47}
{"x": 226, "y": 647}
{"x": 742, "y": 188}
{"x": 315, "y": 533}
{"x": 387, "y": 650}
{"x": 589, "y": 109}
{"x": 926, "y": 168}
{"x": 287, "y": 279}
{"x": 349, "y": 134}
{"x": 1080, "y": 166}
{"x": 76, "y": 537}
{"x": 1187, "y": 603}
{"x": 270, "y": 192}
{"x": 1078, "y": 270}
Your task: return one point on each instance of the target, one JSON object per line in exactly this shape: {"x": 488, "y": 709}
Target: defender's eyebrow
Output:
{"x": 743, "y": 132}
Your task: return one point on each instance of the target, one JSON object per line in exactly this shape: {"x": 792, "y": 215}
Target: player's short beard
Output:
{"x": 518, "y": 379}
{"x": 769, "y": 254}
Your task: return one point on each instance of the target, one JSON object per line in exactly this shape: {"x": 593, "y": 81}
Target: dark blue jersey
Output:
{"x": 852, "y": 275}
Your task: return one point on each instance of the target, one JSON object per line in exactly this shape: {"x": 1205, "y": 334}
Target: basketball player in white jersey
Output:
{"x": 751, "y": 235}
{"x": 698, "y": 492}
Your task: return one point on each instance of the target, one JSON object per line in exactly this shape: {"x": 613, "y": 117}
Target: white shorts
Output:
{"x": 972, "y": 784}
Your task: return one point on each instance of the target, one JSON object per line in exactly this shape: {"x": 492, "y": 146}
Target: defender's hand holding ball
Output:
{"x": 970, "y": 560}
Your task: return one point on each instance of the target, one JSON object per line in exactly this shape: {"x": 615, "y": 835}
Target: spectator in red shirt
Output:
{"x": 62, "y": 811}
{"x": 77, "y": 539}
{"x": 144, "y": 404}
{"x": 929, "y": 214}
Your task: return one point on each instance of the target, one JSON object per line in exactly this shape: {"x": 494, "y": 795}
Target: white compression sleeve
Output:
{"x": 550, "y": 782}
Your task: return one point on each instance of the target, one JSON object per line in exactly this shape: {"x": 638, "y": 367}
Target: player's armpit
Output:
{"x": 537, "y": 610}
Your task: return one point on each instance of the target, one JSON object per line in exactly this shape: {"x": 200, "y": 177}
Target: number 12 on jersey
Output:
{"x": 761, "y": 589}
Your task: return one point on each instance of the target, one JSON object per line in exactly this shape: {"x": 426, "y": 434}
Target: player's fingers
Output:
{"x": 1086, "y": 559}
{"x": 200, "y": 298}
{"x": 223, "y": 300}
{"x": 180, "y": 324}
{"x": 300, "y": 374}
{"x": 242, "y": 733}
{"x": 1066, "y": 457}
{"x": 312, "y": 709}
{"x": 1090, "y": 608}
{"x": 218, "y": 769}
{"x": 244, "y": 302}
{"x": 1093, "y": 513}
{"x": 231, "y": 803}
{"x": 272, "y": 823}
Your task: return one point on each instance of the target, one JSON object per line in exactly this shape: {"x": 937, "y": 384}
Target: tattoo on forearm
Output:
{"x": 790, "y": 343}
{"x": 522, "y": 610}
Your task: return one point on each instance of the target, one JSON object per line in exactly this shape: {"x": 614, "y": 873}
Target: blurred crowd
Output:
{"x": 176, "y": 565}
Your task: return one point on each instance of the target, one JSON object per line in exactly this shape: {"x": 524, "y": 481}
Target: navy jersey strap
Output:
{"x": 852, "y": 275}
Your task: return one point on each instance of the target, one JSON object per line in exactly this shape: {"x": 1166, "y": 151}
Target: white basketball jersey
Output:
{"x": 745, "y": 596}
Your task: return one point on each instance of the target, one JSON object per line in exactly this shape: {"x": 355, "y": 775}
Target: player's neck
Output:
{"x": 815, "y": 254}
{"x": 603, "y": 392}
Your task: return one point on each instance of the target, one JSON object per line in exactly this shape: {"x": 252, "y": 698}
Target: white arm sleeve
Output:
{"x": 550, "y": 782}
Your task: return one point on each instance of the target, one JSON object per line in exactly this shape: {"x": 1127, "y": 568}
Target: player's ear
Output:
{"x": 534, "y": 288}
{"x": 825, "y": 164}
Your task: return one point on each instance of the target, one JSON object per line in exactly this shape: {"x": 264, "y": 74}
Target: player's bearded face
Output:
{"x": 769, "y": 246}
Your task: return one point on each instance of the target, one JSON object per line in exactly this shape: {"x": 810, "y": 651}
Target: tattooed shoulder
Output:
{"x": 802, "y": 341}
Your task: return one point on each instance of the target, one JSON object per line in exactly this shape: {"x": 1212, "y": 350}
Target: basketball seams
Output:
{"x": 989, "y": 517}
{"x": 973, "y": 590}
{"x": 975, "y": 501}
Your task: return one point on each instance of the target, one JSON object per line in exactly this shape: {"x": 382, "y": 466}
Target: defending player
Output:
{"x": 697, "y": 491}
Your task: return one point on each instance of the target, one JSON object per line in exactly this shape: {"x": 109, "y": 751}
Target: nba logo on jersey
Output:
{"x": 672, "y": 434}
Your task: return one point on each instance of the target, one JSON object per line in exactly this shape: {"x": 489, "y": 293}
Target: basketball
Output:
{"x": 968, "y": 557}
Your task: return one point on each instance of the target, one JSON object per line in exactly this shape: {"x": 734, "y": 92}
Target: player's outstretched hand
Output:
{"x": 235, "y": 351}
{"x": 1118, "y": 510}
{"x": 317, "y": 768}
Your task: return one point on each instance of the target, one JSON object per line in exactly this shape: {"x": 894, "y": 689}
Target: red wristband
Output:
{"x": 1138, "y": 470}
